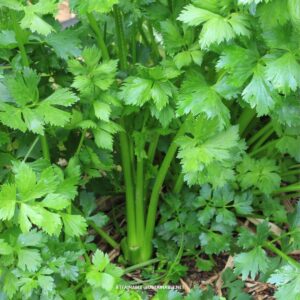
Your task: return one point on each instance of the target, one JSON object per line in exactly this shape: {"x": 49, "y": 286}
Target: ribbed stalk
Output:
{"x": 139, "y": 197}
{"x": 130, "y": 201}
{"x": 122, "y": 49}
{"x": 132, "y": 239}
{"x": 151, "y": 216}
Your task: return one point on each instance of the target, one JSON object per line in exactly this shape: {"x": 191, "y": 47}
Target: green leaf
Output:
{"x": 46, "y": 283}
{"x": 100, "y": 260}
{"x": 172, "y": 37}
{"x": 33, "y": 120}
{"x": 8, "y": 39}
{"x": 32, "y": 238}
{"x": 23, "y": 217}
{"x": 194, "y": 16}
{"x": 103, "y": 280}
{"x": 290, "y": 145}
{"x": 216, "y": 28}
{"x": 287, "y": 280}
{"x": 65, "y": 43}
{"x": 183, "y": 59}
{"x": 92, "y": 75}
{"x": 197, "y": 97}
{"x": 205, "y": 215}
{"x": 214, "y": 243}
{"x": 259, "y": 93}
{"x": 252, "y": 262}
{"x": 56, "y": 202}
{"x": 294, "y": 12}
{"x": 234, "y": 286}
{"x": 75, "y": 225}
{"x": 12, "y": 117}
{"x": 5, "y": 248}
{"x": 102, "y": 110}
{"x": 22, "y": 86}
{"x": 262, "y": 174}
{"x": 238, "y": 63}
{"x": 28, "y": 285}
{"x": 136, "y": 91}
{"x": 103, "y": 139}
{"x": 47, "y": 183}
{"x": 207, "y": 155}
{"x": 104, "y": 74}
{"x": 242, "y": 203}
{"x": 53, "y": 115}
{"x": 160, "y": 93}
{"x": 12, "y": 4}
{"x": 204, "y": 264}
{"x": 62, "y": 97}
{"x": 33, "y": 16}
{"x": 29, "y": 259}
{"x": 50, "y": 222}
{"x": 248, "y": 240}
{"x": 10, "y": 286}
{"x": 284, "y": 73}
{"x": 91, "y": 6}
{"x": 7, "y": 201}
{"x": 225, "y": 216}
{"x": 274, "y": 14}
{"x": 4, "y": 138}
{"x": 25, "y": 180}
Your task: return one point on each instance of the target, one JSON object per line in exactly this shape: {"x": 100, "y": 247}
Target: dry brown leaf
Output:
{"x": 185, "y": 286}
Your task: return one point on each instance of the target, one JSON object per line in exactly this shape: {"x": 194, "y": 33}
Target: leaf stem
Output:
{"x": 104, "y": 235}
{"x": 45, "y": 147}
{"x": 245, "y": 119}
{"x": 263, "y": 148}
{"x": 291, "y": 172}
{"x": 290, "y": 188}
{"x": 98, "y": 35}
{"x": 153, "y": 42}
{"x": 152, "y": 148}
{"x": 280, "y": 253}
{"x": 81, "y": 142}
{"x": 179, "y": 183}
{"x": 261, "y": 141}
{"x": 31, "y": 148}
{"x": 142, "y": 265}
{"x": 19, "y": 38}
{"x": 259, "y": 133}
